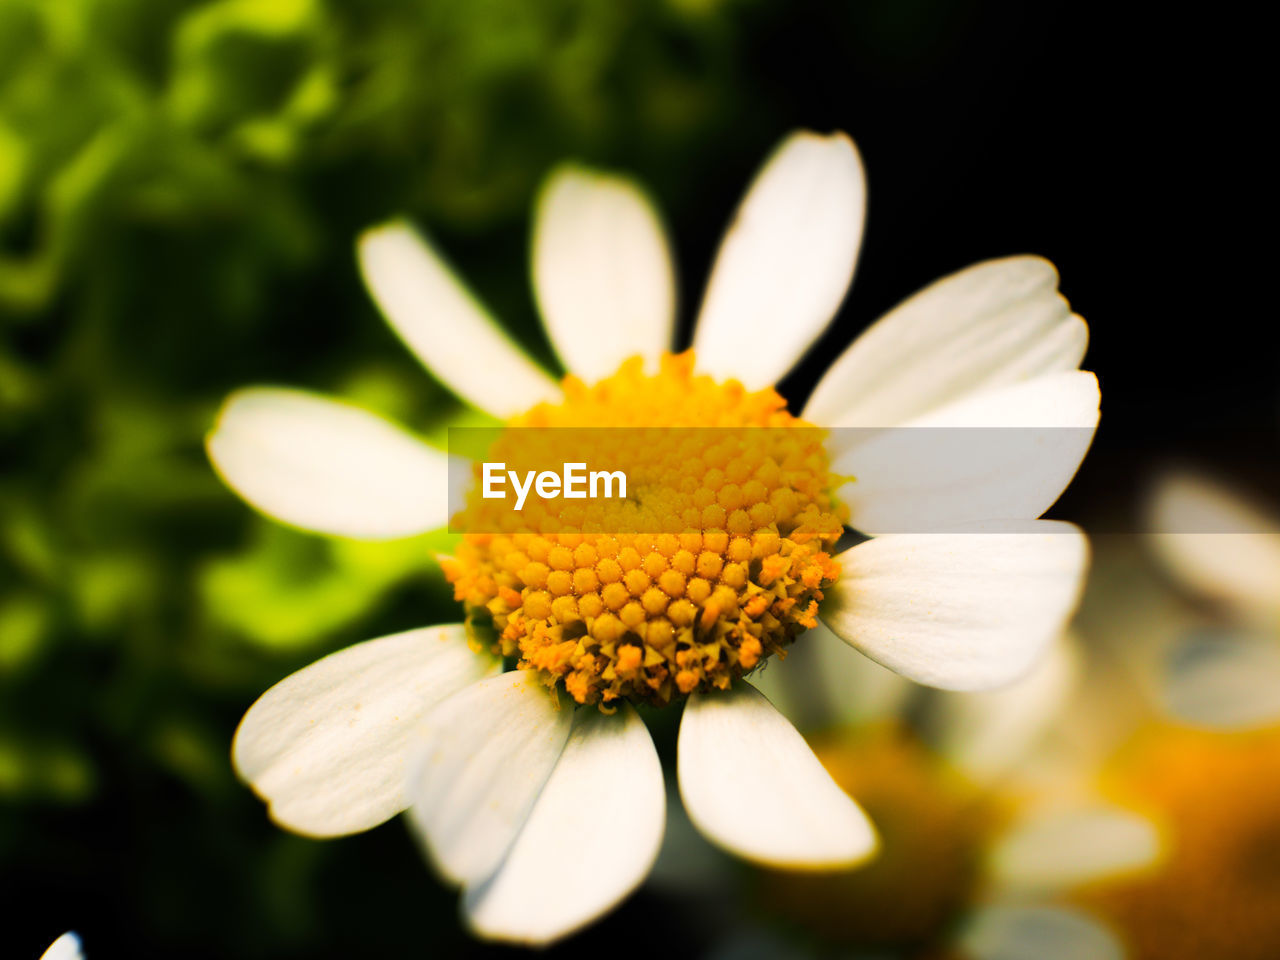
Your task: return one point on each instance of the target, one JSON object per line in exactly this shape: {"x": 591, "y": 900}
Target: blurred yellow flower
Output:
{"x": 1217, "y": 795}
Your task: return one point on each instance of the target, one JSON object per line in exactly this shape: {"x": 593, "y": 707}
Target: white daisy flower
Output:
{"x": 547, "y": 816}
{"x": 66, "y": 947}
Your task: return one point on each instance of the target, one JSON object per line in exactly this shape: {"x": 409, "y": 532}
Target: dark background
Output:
{"x": 1123, "y": 144}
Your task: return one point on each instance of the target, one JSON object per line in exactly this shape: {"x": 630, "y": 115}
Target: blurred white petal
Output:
{"x": 986, "y": 733}
{"x": 751, "y": 784}
{"x": 1061, "y": 849}
{"x": 444, "y": 325}
{"x": 989, "y": 325}
{"x": 485, "y": 754}
{"x": 590, "y": 839}
{"x": 824, "y": 682}
{"x": 1223, "y": 680}
{"x": 961, "y": 610}
{"x": 602, "y": 272}
{"x": 1005, "y": 453}
{"x": 1010, "y": 932}
{"x": 1217, "y": 543}
{"x": 326, "y": 746}
{"x": 785, "y": 262}
{"x": 328, "y": 466}
{"x": 66, "y": 947}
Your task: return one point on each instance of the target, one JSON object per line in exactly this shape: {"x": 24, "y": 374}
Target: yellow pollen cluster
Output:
{"x": 728, "y": 555}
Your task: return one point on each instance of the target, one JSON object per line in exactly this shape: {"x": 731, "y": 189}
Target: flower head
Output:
{"x": 732, "y": 568}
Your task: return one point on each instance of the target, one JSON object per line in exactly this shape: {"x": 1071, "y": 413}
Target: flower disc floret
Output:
{"x": 715, "y": 560}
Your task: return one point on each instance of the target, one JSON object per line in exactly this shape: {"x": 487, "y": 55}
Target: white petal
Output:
{"x": 66, "y": 947}
{"x": 602, "y": 272}
{"x": 989, "y": 325}
{"x": 590, "y": 840}
{"x": 327, "y": 466}
{"x": 1009, "y": 932}
{"x": 448, "y": 330}
{"x": 326, "y": 746}
{"x": 1223, "y": 680}
{"x": 785, "y": 262}
{"x": 485, "y": 755}
{"x": 986, "y": 733}
{"x": 825, "y": 682}
{"x": 1217, "y": 542}
{"x": 1066, "y": 848}
{"x": 961, "y": 610}
{"x": 1005, "y": 453}
{"x": 751, "y": 784}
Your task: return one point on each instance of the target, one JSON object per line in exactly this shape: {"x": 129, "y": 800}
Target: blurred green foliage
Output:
{"x": 180, "y": 185}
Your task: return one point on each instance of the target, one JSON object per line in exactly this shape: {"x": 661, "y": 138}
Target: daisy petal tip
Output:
{"x": 836, "y": 158}
{"x": 483, "y": 927}
{"x": 991, "y": 324}
{"x": 785, "y": 262}
{"x": 379, "y": 246}
{"x": 602, "y": 270}
{"x": 324, "y": 465}
{"x": 736, "y": 744}
{"x": 1034, "y": 263}
{"x": 482, "y": 759}
{"x": 1080, "y": 328}
{"x": 972, "y": 609}
{"x": 1022, "y": 271}
{"x": 563, "y": 173}
{"x": 326, "y": 747}
{"x": 542, "y": 891}
{"x": 838, "y": 143}
{"x": 857, "y": 844}
{"x": 66, "y": 947}
{"x": 444, "y": 324}
{"x": 395, "y": 228}
{"x": 837, "y": 148}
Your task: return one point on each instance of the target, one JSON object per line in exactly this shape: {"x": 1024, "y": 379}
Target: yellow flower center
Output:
{"x": 732, "y": 529}
{"x": 1216, "y": 894}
